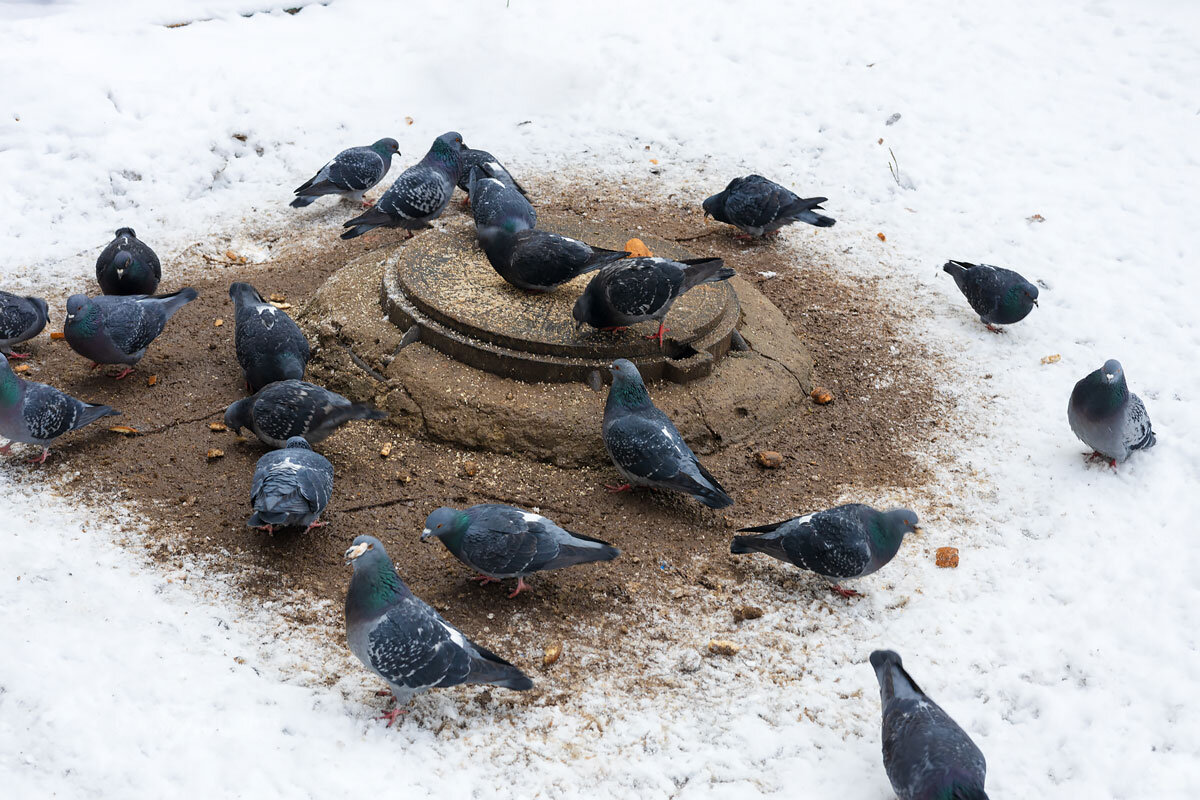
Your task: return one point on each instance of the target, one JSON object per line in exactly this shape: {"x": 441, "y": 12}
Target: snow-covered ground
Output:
{"x": 1066, "y": 643}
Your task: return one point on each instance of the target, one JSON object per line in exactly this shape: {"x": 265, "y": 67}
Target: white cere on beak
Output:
{"x": 426, "y": 532}
{"x": 356, "y": 551}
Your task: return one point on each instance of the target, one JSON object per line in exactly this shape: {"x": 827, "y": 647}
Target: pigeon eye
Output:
{"x": 370, "y": 546}
{"x": 439, "y": 525}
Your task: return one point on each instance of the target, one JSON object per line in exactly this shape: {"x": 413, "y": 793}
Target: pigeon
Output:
{"x": 539, "y": 261}
{"x": 637, "y": 289}
{"x": 505, "y": 542}
{"x": 489, "y": 165}
{"x": 128, "y": 266}
{"x": 117, "y": 329}
{"x": 350, "y": 174}
{"x": 1107, "y": 417}
{"x": 998, "y": 295}
{"x": 646, "y": 447}
{"x": 35, "y": 413}
{"x": 758, "y": 207}
{"x": 270, "y": 346}
{"x": 290, "y": 408}
{"x": 926, "y": 755}
{"x": 291, "y": 486}
{"x": 21, "y": 319}
{"x": 493, "y": 203}
{"x": 848, "y": 541}
{"x": 403, "y": 640}
{"x": 419, "y": 194}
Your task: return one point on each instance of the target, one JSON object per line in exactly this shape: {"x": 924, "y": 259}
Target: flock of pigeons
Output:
{"x": 395, "y": 634}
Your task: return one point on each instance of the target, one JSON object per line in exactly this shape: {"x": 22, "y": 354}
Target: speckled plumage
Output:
{"x": 493, "y": 203}
{"x": 291, "y": 486}
{"x": 117, "y": 329}
{"x": 21, "y": 319}
{"x": 127, "y": 265}
{"x": 540, "y": 261}
{"x": 270, "y": 346}
{"x": 1106, "y": 416}
{"x": 350, "y": 174}
{"x": 634, "y": 290}
{"x": 34, "y": 413}
{"x": 419, "y": 195}
{"x": 759, "y": 206}
{"x": 290, "y": 408}
{"x": 999, "y": 296}
{"x": 489, "y": 165}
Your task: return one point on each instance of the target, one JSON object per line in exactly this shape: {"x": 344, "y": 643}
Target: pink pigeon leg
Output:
{"x": 4, "y": 450}
{"x": 42, "y": 458}
{"x": 521, "y": 586}
{"x": 844, "y": 592}
{"x": 484, "y": 580}
{"x": 317, "y": 524}
{"x": 125, "y": 370}
{"x": 622, "y": 487}
{"x": 659, "y": 335}
{"x": 393, "y": 715}
{"x": 15, "y": 354}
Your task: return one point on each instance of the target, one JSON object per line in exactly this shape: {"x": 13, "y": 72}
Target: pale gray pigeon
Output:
{"x": 270, "y": 345}
{"x": 1107, "y": 417}
{"x": 350, "y": 174}
{"x": 999, "y": 296}
{"x": 759, "y": 206}
{"x": 292, "y": 486}
{"x": 21, "y": 319}
{"x": 117, "y": 329}
{"x": 290, "y": 408}
{"x": 127, "y": 265}
{"x": 539, "y": 261}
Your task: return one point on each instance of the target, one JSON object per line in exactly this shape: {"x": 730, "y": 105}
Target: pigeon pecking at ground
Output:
{"x": 290, "y": 408}
{"x": 495, "y": 204}
{"x": 646, "y": 447}
{"x": 539, "y": 261}
{"x": 270, "y": 345}
{"x": 403, "y": 640}
{"x": 998, "y": 295}
{"x": 117, "y": 329}
{"x": 1107, "y": 417}
{"x": 350, "y": 174}
{"x": 34, "y": 413}
{"x": 21, "y": 319}
{"x": 848, "y": 541}
{"x": 291, "y": 486}
{"x": 926, "y": 754}
{"x": 419, "y": 195}
{"x": 489, "y": 165}
{"x": 505, "y": 542}
{"x": 127, "y": 265}
{"x": 759, "y": 206}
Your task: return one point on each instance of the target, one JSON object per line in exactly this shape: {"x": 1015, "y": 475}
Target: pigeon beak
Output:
{"x": 918, "y": 529}
{"x": 70, "y": 317}
{"x": 707, "y": 215}
{"x": 426, "y": 534}
{"x": 356, "y": 551}
{"x": 1035, "y": 302}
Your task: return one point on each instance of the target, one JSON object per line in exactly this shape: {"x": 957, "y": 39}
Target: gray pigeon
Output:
{"x": 351, "y": 173}
{"x": 489, "y": 165}
{"x": 758, "y": 206}
{"x": 540, "y": 261}
{"x": 494, "y": 203}
{"x": 419, "y": 194}
{"x": 404, "y": 641}
{"x": 290, "y": 408}
{"x": 128, "y": 265}
{"x": 998, "y": 295}
{"x": 1107, "y": 417}
{"x": 848, "y": 541}
{"x": 35, "y": 413}
{"x": 117, "y": 329}
{"x": 505, "y": 542}
{"x": 291, "y": 487}
{"x": 269, "y": 344}
{"x": 926, "y": 755}
{"x": 21, "y": 319}
{"x": 638, "y": 289}
{"x": 646, "y": 447}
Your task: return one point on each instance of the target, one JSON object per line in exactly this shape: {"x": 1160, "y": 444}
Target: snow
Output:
{"x": 1066, "y": 641}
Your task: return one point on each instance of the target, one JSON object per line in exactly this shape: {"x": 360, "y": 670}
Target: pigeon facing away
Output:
{"x": 419, "y": 194}
{"x": 758, "y": 206}
{"x": 128, "y": 266}
{"x": 646, "y": 447}
{"x": 848, "y": 541}
{"x": 403, "y": 640}
{"x": 21, "y": 319}
{"x": 1107, "y": 417}
{"x": 290, "y": 408}
{"x": 117, "y": 329}
{"x": 926, "y": 754}
{"x": 494, "y": 203}
{"x": 270, "y": 346}
{"x": 637, "y": 289}
{"x": 35, "y": 413}
{"x": 539, "y": 261}
{"x": 505, "y": 542}
{"x": 489, "y": 165}
{"x": 351, "y": 173}
{"x": 999, "y": 296}
{"x": 291, "y": 487}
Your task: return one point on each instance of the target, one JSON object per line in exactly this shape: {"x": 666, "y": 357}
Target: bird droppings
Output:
{"x": 946, "y": 557}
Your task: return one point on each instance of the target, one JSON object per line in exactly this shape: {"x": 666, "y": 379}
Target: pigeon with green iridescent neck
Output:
{"x": 759, "y": 207}
{"x": 21, "y": 319}
{"x": 403, "y": 640}
{"x": 291, "y": 486}
{"x": 490, "y": 167}
{"x": 1107, "y": 417}
{"x": 495, "y": 204}
{"x": 999, "y": 296}
{"x": 350, "y": 174}
{"x": 34, "y": 413}
{"x": 270, "y": 346}
{"x": 290, "y": 408}
{"x": 504, "y": 542}
{"x": 128, "y": 266}
{"x": 926, "y": 755}
{"x": 117, "y": 329}
{"x": 540, "y": 261}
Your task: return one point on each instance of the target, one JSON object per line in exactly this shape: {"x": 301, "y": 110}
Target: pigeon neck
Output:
{"x": 445, "y": 155}
{"x": 886, "y": 537}
{"x": 1101, "y": 396}
{"x": 10, "y": 387}
{"x": 376, "y": 587}
{"x": 453, "y": 539}
{"x": 88, "y": 322}
{"x": 628, "y": 394}
{"x": 1016, "y": 300}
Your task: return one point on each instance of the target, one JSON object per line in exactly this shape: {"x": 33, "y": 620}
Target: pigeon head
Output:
{"x": 125, "y": 232}
{"x": 123, "y": 262}
{"x": 445, "y": 522}
{"x": 237, "y": 416}
{"x": 83, "y": 315}
{"x": 1102, "y": 390}
{"x": 1020, "y": 298}
{"x": 387, "y": 148}
{"x": 375, "y": 584}
{"x": 627, "y": 388}
{"x": 243, "y": 294}
{"x": 583, "y": 310}
{"x": 715, "y": 207}
{"x": 42, "y": 306}
{"x": 448, "y": 149}
{"x": 891, "y": 528}
{"x": 889, "y": 671}
{"x": 298, "y": 443}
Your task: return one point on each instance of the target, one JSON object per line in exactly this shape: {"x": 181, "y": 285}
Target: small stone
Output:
{"x": 742, "y": 613}
{"x": 689, "y": 661}
{"x": 769, "y": 459}
{"x": 386, "y": 450}
{"x": 213, "y": 454}
{"x": 470, "y": 469}
{"x": 218, "y": 322}
{"x": 723, "y": 647}
{"x": 552, "y": 654}
{"x": 947, "y": 557}
{"x": 821, "y": 397}
{"x": 217, "y": 426}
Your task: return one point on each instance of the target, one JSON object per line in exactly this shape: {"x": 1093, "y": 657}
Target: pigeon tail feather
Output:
{"x": 301, "y": 202}
{"x": 177, "y": 300}
{"x": 770, "y": 545}
{"x": 92, "y": 413}
{"x": 704, "y": 270}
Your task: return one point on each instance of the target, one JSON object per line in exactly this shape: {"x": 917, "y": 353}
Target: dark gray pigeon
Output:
{"x": 351, "y": 173}
{"x": 489, "y": 165}
{"x": 634, "y": 290}
{"x": 1107, "y": 417}
{"x": 290, "y": 408}
{"x": 495, "y": 204}
{"x": 998, "y": 295}
{"x": 117, "y": 329}
{"x": 539, "y": 261}
{"x": 34, "y": 413}
{"x": 758, "y": 206}
{"x": 404, "y": 641}
{"x": 848, "y": 541}
{"x": 128, "y": 265}
{"x": 419, "y": 195}
{"x": 926, "y": 754}
{"x": 646, "y": 447}
{"x": 270, "y": 345}
{"x": 21, "y": 319}
{"x": 291, "y": 486}
{"x": 505, "y": 542}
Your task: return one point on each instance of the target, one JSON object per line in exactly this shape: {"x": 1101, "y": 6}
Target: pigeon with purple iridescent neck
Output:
{"x": 999, "y": 296}
{"x": 117, "y": 329}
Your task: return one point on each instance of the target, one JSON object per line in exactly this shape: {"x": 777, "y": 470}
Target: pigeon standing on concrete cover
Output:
{"x": 505, "y": 542}
{"x": 270, "y": 345}
{"x": 404, "y": 641}
{"x": 117, "y": 329}
{"x": 489, "y": 166}
{"x": 758, "y": 206}
{"x": 351, "y": 173}
{"x": 21, "y": 319}
{"x": 291, "y": 487}
{"x": 493, "y": 203}
{"x": 128, "y": 266}
{"x": 35, "y": 413}
{"x": 539, "y": 261}
{"x": 646, "y": 447}
{"x": 290, "y": 408}
{"x": 926, "y": 754}
{"x": 1107, "y": 417}
{"x": 999, "y": 296}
